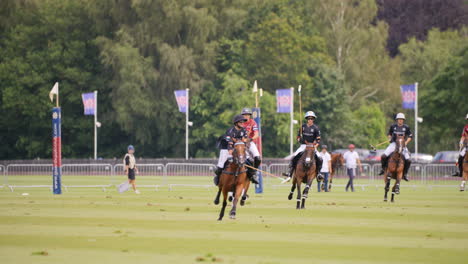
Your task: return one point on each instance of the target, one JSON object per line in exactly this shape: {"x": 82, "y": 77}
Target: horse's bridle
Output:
{"x": 308, "y": 160}
{"x": 236, "y": 159}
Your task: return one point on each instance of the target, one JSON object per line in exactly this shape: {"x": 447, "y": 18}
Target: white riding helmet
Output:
{"x": 310, "y": 114}
{"x": 400, "y": 116}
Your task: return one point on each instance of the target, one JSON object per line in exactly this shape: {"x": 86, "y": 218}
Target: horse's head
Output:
{"x": 309, "y": 154}
{"x": 340, "y": 159}
{"x": 239, "y": 155}
{"x": 400, "y": 143}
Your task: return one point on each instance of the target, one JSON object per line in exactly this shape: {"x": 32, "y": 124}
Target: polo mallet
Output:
{"x": 300, "y": 107}
{"x": 373, "y": 148}
{"x": 262, "y": 171}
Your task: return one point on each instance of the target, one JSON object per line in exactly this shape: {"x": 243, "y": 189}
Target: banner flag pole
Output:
{"x": 291, "y": 129}
{"x": 95, "y": 125}
{"x": 187, "y": 126}
{"x": 56, "y": 143}
{"x": 416, "y": 121}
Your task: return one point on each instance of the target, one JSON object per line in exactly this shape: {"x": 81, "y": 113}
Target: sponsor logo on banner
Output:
{"x": 181, "y": 98}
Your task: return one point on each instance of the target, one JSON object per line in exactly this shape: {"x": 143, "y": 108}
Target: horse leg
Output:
{"x": 233, "y": 191}
{"x": 306, "y": 192}
{"x": 223, "y": 208}
{"x": 393, "y": 191}
{"x": 465, "y": 178}
{"x": 387, "y": 187}
{"x": 293, "y": 188}
{"x": 298, "y": 203}
{"x": 330, "y": 182}
{"x": 216, "y": 200}
{"x": 237, "y": 195}
{"x": 244, "y": 196}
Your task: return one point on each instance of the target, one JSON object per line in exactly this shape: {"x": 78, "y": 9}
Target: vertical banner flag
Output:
{"x": 89, "y": 102}
{"x": 258, "y": 141}
{"x": 56, "y": 150}
{"x": 181, "y": 97}
{"x": 408, "y": 93}
{"x": 283, "y": 100}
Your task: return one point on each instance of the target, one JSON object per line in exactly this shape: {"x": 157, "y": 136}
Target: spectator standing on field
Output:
{"x": 326, "y": 168}
{"x": 130, "y": 167}
{"x": 351, "y": 158}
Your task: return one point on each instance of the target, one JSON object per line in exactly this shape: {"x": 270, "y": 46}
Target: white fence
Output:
{"x": 174, "y": 175}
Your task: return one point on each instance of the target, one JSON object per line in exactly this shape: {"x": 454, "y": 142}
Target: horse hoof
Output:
{"x": 216, "y": 202}
{"x": 290, "y": 196}
{"x": 230, "y": 198}
{"x": 385, "y": 200}
{"x": 392, "y": 201}
{"x": 242, "y": 202}
{"x": 232, "y": 216}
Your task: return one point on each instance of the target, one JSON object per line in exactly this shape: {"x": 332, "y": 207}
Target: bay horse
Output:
{"x": 306, "y": 171}
{"x": 233, "y": 179}
{"x": 337, "y": 161}
{"x": 395, "y": 167}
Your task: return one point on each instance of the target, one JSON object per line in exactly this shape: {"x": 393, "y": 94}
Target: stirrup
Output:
{"x": 405, "y": 177}
{"x": 320, "y": 177}
{"x": 254, "y": 179}
{"x": 382, "y": 172}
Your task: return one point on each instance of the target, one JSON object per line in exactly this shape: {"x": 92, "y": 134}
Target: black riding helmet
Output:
{"x": 238, "y": 118}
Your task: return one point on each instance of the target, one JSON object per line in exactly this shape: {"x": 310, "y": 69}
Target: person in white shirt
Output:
{"x": 352, "y": 160}
{"x": 326, "y": 168}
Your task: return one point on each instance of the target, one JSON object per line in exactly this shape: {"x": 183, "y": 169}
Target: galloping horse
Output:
{"x": 395, "y": 167}
{"x": 337, "y": 161}
{"x": 233, "y": 178}
{"x": 306, "y": 171}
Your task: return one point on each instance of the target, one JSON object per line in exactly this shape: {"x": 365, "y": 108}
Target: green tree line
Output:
{"x": 135, "y": 53}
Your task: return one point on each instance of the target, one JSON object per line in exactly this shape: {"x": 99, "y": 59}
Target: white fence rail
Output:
{"x": 170, "y": 175}
{"x": 190, "y": 169}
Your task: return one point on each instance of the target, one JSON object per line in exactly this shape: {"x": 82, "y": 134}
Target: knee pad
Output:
{"x": 257, "y": 162}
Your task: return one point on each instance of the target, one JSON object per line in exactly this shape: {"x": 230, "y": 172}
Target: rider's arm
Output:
{"x": 255, "y": 136}
{"x": 255, "y": 131}
{"x": 390, "y": 133}
{"x": 409, "y": 135}
{"x": 299, "y": 134}
{"x": 359, "y": 163}
{"x": 127, "y": 163}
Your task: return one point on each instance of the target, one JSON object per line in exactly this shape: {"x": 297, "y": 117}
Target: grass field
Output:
{"x": 87, "y": 225}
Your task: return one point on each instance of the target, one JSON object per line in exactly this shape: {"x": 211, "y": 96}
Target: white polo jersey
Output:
{"x": 350, "y": 158}
{"x": 326, "y": 158}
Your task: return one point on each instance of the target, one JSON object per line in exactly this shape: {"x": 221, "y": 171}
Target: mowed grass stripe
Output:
{"x": 338, "y": 227}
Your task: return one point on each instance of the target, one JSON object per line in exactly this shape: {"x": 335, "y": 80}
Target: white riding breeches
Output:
{"x": 253, "y": 151}
{"x": 391, "y": 148}
{"x": 463, "y": 152}
{"x": 301, "y": 148}
{"x": 223, "y": 156}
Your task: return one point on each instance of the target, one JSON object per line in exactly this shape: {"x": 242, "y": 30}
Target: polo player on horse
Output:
{"x": 402, "y": 129}
{"x": 310, "y": 133}
{"x": 252, "y": 131}
{"x": 463, "y": 139}
{"x": 226, "y": 145}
